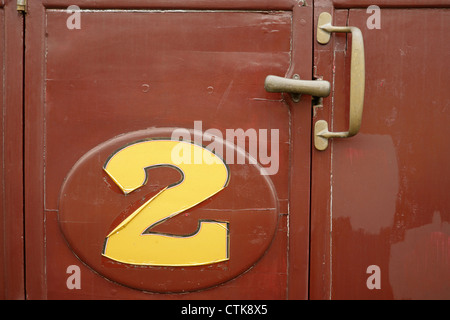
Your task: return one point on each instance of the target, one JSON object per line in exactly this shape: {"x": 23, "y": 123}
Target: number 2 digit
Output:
{"x": 128, "y": 243}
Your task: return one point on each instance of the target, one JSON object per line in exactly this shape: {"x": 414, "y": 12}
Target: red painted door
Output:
{"x": 110, "y": 89}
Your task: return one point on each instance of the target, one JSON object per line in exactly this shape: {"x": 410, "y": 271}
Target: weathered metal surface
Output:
{"x": 378, "y": 199}
{"x": 128, "y": 71}
{"x": 11, "y": 200}
{"x": 137, "y": 70}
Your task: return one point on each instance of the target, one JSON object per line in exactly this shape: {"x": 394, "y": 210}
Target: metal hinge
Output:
{"x": 22, "y": 6}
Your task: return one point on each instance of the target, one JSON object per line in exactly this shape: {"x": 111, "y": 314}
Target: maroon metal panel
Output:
{"x": 127, "y": 71}
{"x": 11, "y": 93}
{"x": 379, "y": 198}
{"x": 11, "y": 201}
{"x": 33, "y": 175}
{"x": 299, "y": 184}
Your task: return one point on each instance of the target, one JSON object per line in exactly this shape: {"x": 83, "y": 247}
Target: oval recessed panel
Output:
{"x": 144, "y": 222}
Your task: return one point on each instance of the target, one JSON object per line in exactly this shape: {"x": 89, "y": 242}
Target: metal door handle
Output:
{"x": 295, "y": 86}
{"x": 357, "y": 82}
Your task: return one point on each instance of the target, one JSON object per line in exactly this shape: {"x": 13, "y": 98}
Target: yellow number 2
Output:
{"x": 128, "y": 243}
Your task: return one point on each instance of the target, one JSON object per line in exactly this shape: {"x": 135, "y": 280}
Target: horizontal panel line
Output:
{"x": 178, "y": 4}
{"x": 399, "y": 4}
{"x": 166, "y": 10}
